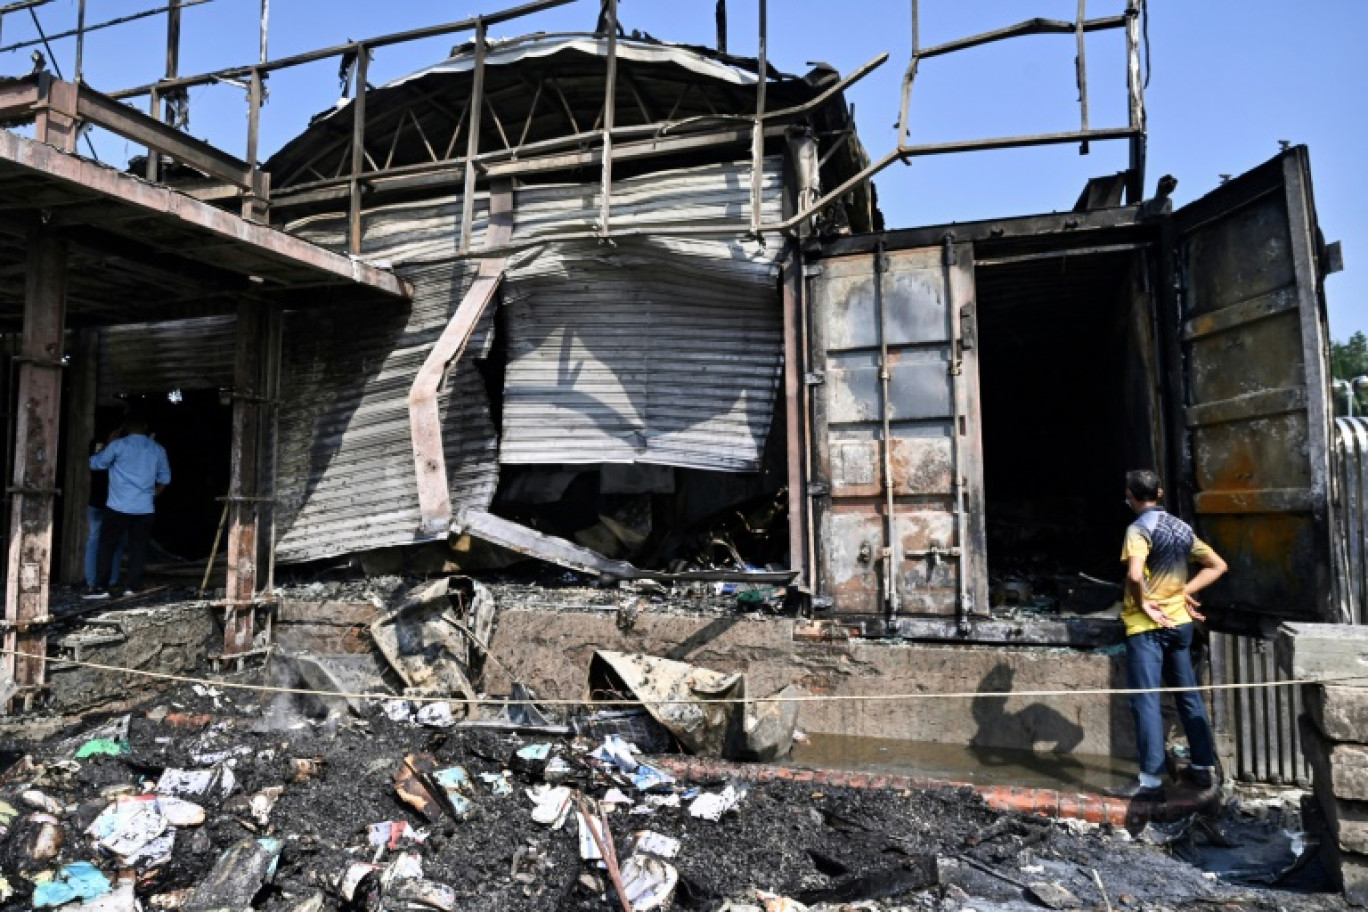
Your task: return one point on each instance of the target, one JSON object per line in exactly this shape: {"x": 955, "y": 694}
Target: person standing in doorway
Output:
{"x": 95, "y": 508}
{"x": 138, "y": 472}
{"x": 1158, "y": 612}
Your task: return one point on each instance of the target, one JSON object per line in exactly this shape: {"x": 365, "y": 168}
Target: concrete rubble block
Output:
{"x": 170, "y": 639}
{"x": 1350, "y": 870}
{"x": 324, "y": 627}
{"x": 1340, "y": 713}
{"x": 1343, "y": 768}
{"x": 1345, "y": 818}
{"x": 1324, "y": 652}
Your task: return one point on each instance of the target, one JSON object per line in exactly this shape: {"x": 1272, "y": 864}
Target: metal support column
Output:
{"x": 473, "y": 139}
{"x": 78, "y": 429}
{"x": 1135, "y": 178}
{"x": 243, "y": 499}
{"x": 795, "y": 416}
{"x": 609, "y": 121}
{"x": 35, "y": 465}
{"x": 358, "y": 151}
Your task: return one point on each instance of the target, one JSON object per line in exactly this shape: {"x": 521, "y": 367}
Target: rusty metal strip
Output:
{"x": 434, "y": 494}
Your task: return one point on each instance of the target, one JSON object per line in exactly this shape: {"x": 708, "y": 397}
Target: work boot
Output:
{"x": 96, "y": 592}
{"x": 1136, "y": 791}
{"x": 1201, "y": 778}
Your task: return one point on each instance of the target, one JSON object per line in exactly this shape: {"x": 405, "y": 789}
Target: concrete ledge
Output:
{"x": 324, "y": 627}
{"x": 550, "y": 651}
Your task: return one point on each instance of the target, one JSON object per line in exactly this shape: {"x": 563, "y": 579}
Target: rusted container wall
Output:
{"x": 1256, "y": 355}
{"x": 905, "y": 315}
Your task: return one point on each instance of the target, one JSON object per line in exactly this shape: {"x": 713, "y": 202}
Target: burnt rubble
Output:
{"x": 210, "y": 797}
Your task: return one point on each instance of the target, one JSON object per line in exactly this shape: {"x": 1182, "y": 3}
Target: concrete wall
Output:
{"x": 169, "y": 640}
{"x": 551, "y": 651}
{"x": 324, "y": 627}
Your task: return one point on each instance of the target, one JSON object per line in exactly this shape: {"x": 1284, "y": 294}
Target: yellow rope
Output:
{"x": 823, "y": 698}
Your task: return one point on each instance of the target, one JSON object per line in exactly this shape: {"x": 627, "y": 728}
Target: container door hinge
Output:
{"x": 812, "y": 270}
{"x": 814, "y": 378}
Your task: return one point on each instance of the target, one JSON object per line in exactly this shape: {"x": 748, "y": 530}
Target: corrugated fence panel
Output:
{"x": 346, "y": 479}
{"x": 145, "y": 358}
{"x": 1351, "y": 505}
{"x": 664, "y": 351}
{"x": 1261, "y": 722}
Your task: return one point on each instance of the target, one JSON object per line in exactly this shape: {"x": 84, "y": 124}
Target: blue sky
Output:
{"x": 1230, "y": 79}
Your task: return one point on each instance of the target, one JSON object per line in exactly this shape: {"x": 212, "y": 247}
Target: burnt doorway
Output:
{"x": 1068, "y": 406}
{"x": 195, "y": 427}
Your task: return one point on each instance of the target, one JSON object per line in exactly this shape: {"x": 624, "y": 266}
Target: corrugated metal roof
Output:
{"x": 146, "y": 358}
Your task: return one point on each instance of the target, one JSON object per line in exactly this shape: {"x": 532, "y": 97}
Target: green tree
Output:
{"x": 1349, "y": 359}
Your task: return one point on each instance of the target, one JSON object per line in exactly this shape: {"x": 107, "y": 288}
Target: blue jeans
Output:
{"x": 1164, "y": 657}
{"x": 95, "y": 519}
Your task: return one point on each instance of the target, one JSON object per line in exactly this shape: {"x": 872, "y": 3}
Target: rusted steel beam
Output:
{"x": 358, "y": 152}
{"x": 215, "y": 223}
{"x": 120, "y": 119}
{"x": 56, "y": 113}
{"x": 1029, "y": 27}
{"x": 429, "y": 460}
{"x": 34, "y": 485}
{"x": 462, "y": 25}
{"x": 1135, "y": 91}
{"x": 609, "y": 117}
{"x": 758, "y": 129}
{"x": 795, "y": 419}
{"x": 473, "y": 138}
{"x": 244, "y": 507}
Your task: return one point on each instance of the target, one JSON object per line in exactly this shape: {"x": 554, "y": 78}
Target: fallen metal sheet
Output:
{"x": 428, "y": 643}
{"x": 515, "y": 537}
{"x": 678, "y": 696}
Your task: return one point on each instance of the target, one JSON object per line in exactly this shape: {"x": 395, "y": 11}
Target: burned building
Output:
{"x": 629, "y": 308}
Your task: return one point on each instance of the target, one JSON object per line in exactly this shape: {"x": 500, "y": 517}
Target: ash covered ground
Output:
{"x": 827, "y": 848}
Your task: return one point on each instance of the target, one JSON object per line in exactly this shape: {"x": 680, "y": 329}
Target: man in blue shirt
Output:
{"x": 138, "y": 472}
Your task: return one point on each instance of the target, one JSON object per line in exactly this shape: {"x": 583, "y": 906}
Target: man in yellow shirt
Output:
{"x": 1158, "y": 614}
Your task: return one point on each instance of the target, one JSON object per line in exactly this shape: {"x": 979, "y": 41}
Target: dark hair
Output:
{"x": 1143, "y": 485}
{"x": 136, "y": 423}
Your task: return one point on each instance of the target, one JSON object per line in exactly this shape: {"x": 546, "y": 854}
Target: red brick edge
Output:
{"x": 1038, "y": 801}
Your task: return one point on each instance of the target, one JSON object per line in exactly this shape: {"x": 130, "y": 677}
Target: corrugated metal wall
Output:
{"x": 691, "y": 327}
{"x": 345, "y": 478}
{"x": 144, "y": 358}
{"x": 661, "y": 351}
{"x": 1261, "y": 722}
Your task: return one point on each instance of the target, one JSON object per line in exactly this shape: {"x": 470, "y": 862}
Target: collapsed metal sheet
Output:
{"x": 706, "y": 710}
{"x": 345, "y": 478}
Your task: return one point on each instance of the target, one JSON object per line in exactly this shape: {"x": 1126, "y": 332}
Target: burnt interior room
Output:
{"x": 1065, "y": 411}
{"x": 195, "y": 427}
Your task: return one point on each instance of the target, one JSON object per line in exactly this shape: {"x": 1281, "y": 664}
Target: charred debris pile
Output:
{"x": 214, "y": 798}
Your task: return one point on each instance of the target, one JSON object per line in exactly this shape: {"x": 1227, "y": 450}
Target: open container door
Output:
{"x": 897, "y": 447}
{"x": 1253, "y": 337}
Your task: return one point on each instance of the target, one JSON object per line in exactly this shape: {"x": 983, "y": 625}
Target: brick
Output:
{"x": 1339, "y": 712}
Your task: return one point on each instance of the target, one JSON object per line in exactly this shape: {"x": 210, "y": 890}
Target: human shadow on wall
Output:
{"x": 1007, "y": 738}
